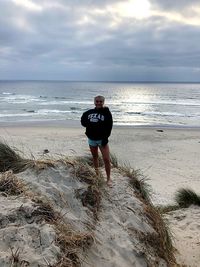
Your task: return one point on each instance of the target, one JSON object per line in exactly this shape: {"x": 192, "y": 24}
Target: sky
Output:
{"x": 100, "y": 40}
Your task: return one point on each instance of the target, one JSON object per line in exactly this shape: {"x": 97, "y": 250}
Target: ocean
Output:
{"x": 132, "y": 104}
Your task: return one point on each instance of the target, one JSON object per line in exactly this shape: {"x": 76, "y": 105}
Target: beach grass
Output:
{"x": 84, "y": 172}
{"x": 167, "y": 208}
{"x": 161, "y": 240}
{"x": 45, "y": 211}
{"x": 91, "y": 196}
{"x": 70, "y": 243}
{"x": 137, "y": 180}
{"x": 88, "y": 160}
{"x": 11, "y": 185}
{"x": 11, "y": 160}
{"x": 114, "y": 160}
{"x": 186, "y": 197}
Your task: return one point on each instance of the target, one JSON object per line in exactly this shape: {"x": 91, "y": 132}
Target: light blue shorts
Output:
{"x": 94, "y": 142}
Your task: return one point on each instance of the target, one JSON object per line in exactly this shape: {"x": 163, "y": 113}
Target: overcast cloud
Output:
{"x": 136, "y": 40}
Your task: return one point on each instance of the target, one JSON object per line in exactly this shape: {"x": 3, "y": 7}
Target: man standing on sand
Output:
{"x": 98, "y": 122}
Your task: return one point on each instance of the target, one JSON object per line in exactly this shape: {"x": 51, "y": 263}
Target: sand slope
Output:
{"x": 117, "y": 229}
{"x": 185, "y": 226}
{"x": 121, "y": 217}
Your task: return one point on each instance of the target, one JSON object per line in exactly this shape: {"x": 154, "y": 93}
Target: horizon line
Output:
{"x": 97, "y": 81}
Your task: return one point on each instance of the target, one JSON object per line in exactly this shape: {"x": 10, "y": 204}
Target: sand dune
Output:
{"x": 51, "y": 202}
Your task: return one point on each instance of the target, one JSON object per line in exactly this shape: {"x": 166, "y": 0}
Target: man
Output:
{"x": 98, "y": 122}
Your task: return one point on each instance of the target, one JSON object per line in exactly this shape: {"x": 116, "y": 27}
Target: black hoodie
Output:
{"x": 98, "y": 123}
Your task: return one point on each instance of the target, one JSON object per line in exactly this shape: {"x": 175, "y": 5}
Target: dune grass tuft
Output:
{"x": 45, "y": 211}
{"x": 11, "y": 160}
{"x": 71, "y": 243}
{"x": 186, "y": 197}
{"x": 84, "y": 172}
{"x": 88, "y": 160}
{"x": 40, "y": 165}
{"x": 114, "y": 160}
{"x": 10, "y": 184}
{"x": 165, "y": 209}
{"x": 91, "y": 198}
{"x": 161, "y": 240}
{"x": 15, "y": 259}
{"x": 137, "y": 181}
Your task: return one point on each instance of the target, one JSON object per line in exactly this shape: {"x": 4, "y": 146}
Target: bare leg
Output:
{"x": 94, "y": 152}
{"x": 106, "y": 158}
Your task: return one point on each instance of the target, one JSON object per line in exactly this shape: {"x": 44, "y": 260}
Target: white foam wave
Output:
{"x": 162, "y": 102}
{"x": 7, "y": 93}
{"x": 167, "y": 114}
{"x": 52, "y": 111}
{"x": 14, "y": 115}
{"x": 20, "y": 99}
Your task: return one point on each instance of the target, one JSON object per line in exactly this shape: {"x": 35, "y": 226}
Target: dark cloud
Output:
{"x": 70, "y": 40}
{"x": 178, "y": 5}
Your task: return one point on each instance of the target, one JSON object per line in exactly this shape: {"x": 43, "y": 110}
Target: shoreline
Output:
{"x": 77, "y": 124}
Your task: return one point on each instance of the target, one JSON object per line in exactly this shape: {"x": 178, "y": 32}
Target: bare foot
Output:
{"x": 109, "y": 183}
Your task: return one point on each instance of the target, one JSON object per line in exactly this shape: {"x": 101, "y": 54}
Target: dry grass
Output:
{"x": 167, "y": 208}
{"x": 15, "y": 260}
{"x": 10, "y": 184}
{"x": 114, "y": 160}
{"x": 11, "y": 160}
{"x": 162, "y": 240}
{"x": 40, "y": 165}
{"x": 45, "y": 211}
{"x": 91, "y": 198}
{"x": 88, "y": 160}
{"x": 71, "y": 243}
{"x": 137, "y": 181}
{"x": 84, "y": 172}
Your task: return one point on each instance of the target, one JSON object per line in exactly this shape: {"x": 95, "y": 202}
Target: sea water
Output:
{"x": 132, "y": 104}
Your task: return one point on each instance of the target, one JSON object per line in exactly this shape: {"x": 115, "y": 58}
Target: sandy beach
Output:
{"x": 168, "y": 157}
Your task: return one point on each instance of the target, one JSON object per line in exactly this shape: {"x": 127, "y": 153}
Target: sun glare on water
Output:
{"x": 138, "y": 9}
